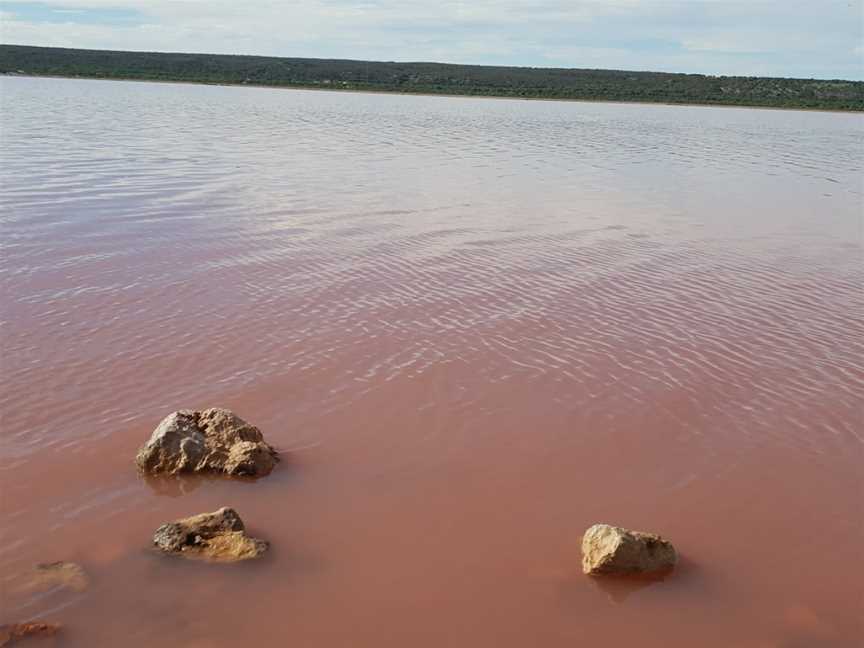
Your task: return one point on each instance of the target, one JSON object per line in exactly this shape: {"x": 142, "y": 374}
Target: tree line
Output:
{"x": 437, "y": 78}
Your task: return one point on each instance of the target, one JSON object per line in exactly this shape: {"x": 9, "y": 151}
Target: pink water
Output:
{"x": 473, "y": 327}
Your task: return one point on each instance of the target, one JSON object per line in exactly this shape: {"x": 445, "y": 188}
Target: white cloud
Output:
{"x": 783, "y": 37}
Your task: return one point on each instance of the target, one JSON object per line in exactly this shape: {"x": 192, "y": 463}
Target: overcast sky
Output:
{"x": 812, "y": 38}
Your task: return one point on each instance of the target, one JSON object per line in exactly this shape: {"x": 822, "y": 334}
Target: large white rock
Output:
{"x": 609, "y": 549}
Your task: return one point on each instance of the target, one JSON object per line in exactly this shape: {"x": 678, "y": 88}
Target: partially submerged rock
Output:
{"x": 69, "y": 575}
{"x": 219, "y": 536}
{"x": 612, "y": 550}
{"x": 12, "y": 631}
{"x": 212, "y": 440}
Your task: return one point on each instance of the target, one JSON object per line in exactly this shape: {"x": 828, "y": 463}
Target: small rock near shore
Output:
{"x": 219, "y": 536}
{"x": 612, "y": 550}
{"x": 211, "y": 440}
{"x": 10, "y": 632}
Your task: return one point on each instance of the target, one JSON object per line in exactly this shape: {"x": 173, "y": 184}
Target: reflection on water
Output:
{"x": 620, "y": 588}
{"x": 476, "y": 327}
{"x": 173, "y": 486}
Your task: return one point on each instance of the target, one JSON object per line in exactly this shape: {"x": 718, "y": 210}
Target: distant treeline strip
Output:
{"x": 436, "y": 78}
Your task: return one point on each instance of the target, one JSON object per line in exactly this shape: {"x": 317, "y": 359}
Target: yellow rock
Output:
{"x": 609, "y": 549}
{"x": 219, "y": 536}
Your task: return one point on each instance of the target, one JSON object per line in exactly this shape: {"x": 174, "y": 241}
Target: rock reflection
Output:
{"x": 173, "y": 485}
{"x": 620, "y": 588}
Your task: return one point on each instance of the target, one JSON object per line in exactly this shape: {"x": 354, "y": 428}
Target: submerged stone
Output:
{"x": 612, "y": 550}
{"x": 219, "y": 536}
{"x": 10, "y": 632}
{"x": 69, "y": 575}
{"x": 212, "y": 440}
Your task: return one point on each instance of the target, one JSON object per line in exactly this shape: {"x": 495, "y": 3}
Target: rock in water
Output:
{"x": 219, "y": 536}
{"x": 69, "y": 575}
{"x": 612, "y": 550}
{"x": 212, "y": 440}
{"x": 13, "y": 631}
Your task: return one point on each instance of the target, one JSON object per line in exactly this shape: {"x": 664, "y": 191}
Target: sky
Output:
{"x": 797, "y": 38}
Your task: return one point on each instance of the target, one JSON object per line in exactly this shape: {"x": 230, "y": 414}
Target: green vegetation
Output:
{"x": 436, "y": 78}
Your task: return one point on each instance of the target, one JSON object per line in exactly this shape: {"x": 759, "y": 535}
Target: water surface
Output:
{"x": 474, "y": 328}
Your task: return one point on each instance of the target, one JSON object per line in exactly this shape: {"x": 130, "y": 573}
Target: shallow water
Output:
{"x": 474, "y": 328}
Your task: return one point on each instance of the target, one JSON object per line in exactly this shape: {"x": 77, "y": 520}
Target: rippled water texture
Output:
{"x": 475, "y": 326}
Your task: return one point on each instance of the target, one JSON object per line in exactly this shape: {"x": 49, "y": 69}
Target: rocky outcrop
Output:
{"x": 11, "y": 632}
{"x": 612, "y": 550}
{"x": 68, "y": 575}
{"x": 212, "y": 440}
{"x": 218, "y": 536}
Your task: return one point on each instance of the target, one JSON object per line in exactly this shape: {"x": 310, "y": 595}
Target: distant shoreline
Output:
{"x": 438, "y": 79}
{"x": 849, "y": 111}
